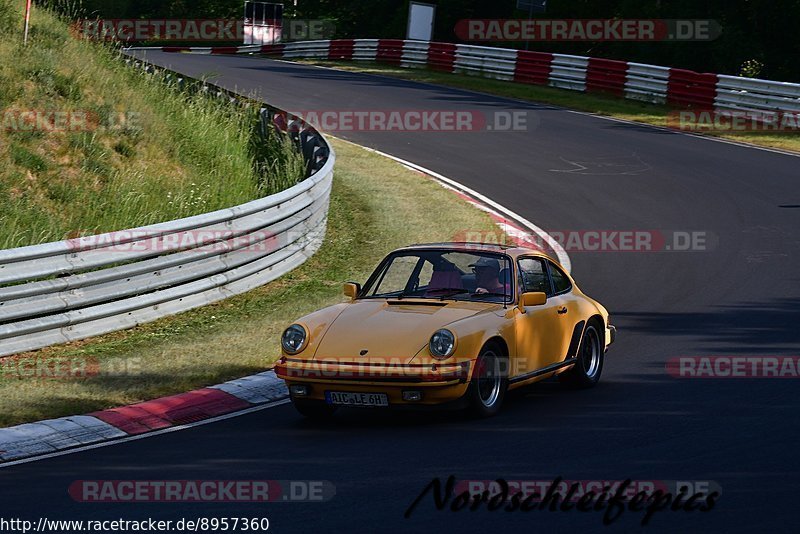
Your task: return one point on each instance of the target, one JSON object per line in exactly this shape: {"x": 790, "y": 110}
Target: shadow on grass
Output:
{"x": 108, "y": 391}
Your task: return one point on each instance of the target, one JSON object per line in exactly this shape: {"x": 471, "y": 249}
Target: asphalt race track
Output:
{"x": 740, "y": 298}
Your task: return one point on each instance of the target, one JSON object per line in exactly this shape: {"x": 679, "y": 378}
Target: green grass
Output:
{"x": 377, "y": 205}
{"x": 152, "y": 153}
{"x": 609, "y": 106}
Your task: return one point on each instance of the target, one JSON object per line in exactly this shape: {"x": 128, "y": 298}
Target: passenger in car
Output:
{"x": 487, "y": 276}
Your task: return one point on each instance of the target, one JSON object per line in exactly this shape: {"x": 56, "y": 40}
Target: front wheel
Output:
{"x": 586, "y": 371}
{"x": 314, "y": 409}
{"x": 489, "y": 384}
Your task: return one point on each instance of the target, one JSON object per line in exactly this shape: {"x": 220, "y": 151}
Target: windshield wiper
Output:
{"x": 448, "y": 291}
{"x": 490, "y": 294}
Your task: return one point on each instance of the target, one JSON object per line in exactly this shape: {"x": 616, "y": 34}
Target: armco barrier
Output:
{"x": 637, "y": 81}
{"x": 606, "y": 76}
{"x": 441, "y": 56}
{"x": 647, "y": 82}
{"x": 74, "y": 289}
{"x": 533, "y": 67}
{"x": 691, "y": 89}
{"x": 489, "y": 62}
{"x": 341, "y": 49}
{"x": 569, "y": 72}
{"x": 748, "y": 93}
{"x": 390, "y": 51}
{"x": 416, "y": 54}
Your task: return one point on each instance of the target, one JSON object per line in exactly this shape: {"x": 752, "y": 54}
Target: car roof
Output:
{"x": 465, "y": 246}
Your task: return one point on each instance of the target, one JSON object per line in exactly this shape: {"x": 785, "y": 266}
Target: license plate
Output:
{"x": 356, "y": 399}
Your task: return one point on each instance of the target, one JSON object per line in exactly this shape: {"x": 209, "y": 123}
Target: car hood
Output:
{"x": 392, "y": 331}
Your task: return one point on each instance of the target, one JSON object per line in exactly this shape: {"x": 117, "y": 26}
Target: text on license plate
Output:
{"x": 356, "y": 399}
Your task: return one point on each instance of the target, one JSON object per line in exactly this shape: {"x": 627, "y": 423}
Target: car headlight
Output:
{"x": 294, "y": 339}
{"x": 442, "y": 344}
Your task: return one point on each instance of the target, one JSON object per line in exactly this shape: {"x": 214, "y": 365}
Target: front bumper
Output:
{"x": 439, "y": 382}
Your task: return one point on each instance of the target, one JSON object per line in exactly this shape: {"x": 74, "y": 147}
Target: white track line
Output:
{"x": 563, "y": 257}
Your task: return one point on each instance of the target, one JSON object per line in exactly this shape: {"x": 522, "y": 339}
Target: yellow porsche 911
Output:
{"x": 454, "y": 324}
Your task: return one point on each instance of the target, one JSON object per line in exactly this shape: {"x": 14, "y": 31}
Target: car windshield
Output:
{"x": 444, "y": 275}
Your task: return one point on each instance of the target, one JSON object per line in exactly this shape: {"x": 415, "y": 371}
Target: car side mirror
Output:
{"x": 351, "y": 289}
{"x": 529, "y": 300}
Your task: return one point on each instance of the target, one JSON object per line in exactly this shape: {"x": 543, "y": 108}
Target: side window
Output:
{"x": 560, "y": 281}
{"x": 425, "y": 274}
{"x": 534, "y": 276}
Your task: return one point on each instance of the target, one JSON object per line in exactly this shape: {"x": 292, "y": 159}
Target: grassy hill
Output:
{"x": 88, "y": 144}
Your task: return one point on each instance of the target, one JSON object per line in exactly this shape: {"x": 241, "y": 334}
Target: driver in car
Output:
{"x": 487, "y": 276}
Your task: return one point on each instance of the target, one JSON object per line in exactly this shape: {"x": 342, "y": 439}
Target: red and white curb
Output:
{"x": 55, "y": 435}
{"x": 33, "y": 439}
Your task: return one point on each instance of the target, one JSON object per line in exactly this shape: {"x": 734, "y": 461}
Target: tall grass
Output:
{"x": 156, "y": 154}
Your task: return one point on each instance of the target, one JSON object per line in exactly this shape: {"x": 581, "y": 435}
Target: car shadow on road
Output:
{"x": 528, "y": 409}
{"x": 752, "y": 328}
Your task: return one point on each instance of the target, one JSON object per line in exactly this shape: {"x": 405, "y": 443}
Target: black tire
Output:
{"x": 314, "y": 409}
{"x": 489, "y": 383}
{"x": 591, "y": 355}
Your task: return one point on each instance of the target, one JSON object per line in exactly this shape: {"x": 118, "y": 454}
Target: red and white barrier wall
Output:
{"x": 661, "y": 85}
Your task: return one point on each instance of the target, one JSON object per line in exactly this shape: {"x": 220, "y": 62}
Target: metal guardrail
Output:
{"x": 569, "y": 72}
{"x": 415, "y": 53}
{"x": 753, "y": 94}
{"x": 490, "y": 62}
{"x": 70, "y": 290}
{"x": 649, "y": 83}
{"x": 310, "y": 49}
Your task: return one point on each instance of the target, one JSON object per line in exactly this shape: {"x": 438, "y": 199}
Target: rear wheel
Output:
{"x": 314, "y": 409}
{"x": 489, "y": 383}
{"x": 586, "y": 371}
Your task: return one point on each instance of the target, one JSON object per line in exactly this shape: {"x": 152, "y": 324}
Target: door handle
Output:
{"x": 562, "y": 310}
